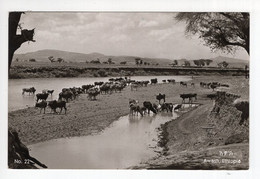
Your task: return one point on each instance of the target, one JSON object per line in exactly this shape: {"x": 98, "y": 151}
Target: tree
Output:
{"x": 208, "y": 62}
{"x": 51, "y": 58}
{"x": 175, "y": 62}
{"x": 16, "y": 40}
{"x": 223, "y": 64}
{"x": 137, "y": 61}
{"x": 60, "y": 60}
{"x": 109, "y": 60}
{"x": 219, "y": 30}
{"x": 186, "y": 63}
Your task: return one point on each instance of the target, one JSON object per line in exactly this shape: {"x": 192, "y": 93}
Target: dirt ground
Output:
{"x": 86, "y": 117}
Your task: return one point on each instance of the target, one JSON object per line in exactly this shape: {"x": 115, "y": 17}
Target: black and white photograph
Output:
{"x": 129, "y": 90}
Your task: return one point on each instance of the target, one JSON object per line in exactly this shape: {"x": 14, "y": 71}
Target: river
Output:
{"x": 18, "y": 101}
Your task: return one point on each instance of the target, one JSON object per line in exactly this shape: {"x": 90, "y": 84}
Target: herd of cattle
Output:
{"x": 115, "y": 85}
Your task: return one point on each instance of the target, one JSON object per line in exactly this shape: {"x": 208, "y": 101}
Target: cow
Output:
{"x": 160, "y": 96}
{"x": 29, "y": 90}
{"x": 157, "y": 107}
{"x": 189, "y": 96}
{"x": 41, "y": 105}
{"x": 41, "y": 96}
{"x": 183, "y": 84}
{"x": 212, "y": 96}
{"x": 92, "y": 93}
{"x": 86, "y": 87}
{"x": 167, "y": 107}
{"x": 98, "y": 83}
{"x": 135, "y": 109}
{"x": 66, "y": 95}
{"x": 171, "y": 81}
{"x": 154, "y": 81}
{"x": 148, "y": 105}
{"x": 57, "y": 104}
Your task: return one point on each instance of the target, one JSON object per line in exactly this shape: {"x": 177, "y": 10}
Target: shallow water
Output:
{"x": 18, "y": 101}
{"x": 127, "y": 142}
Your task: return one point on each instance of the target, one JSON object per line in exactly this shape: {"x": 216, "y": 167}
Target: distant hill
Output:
{"x": 42, "y": 56}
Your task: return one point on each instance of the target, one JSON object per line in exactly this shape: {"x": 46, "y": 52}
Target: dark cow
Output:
{"x": 212, "y": 96}
{"x": 92, "y": 93}
{"x": 160, "y": 96}
{"x": 66, "y": 95}
{"x": 29, "y": 90}
{"x": 164, "y": 81}
{"x": 171, "y": 81}
{"x": 183, "y": 84}
{"x": 41, "y": 96}
{"x": 86, "y": 87}
{"x": 148, "y": 105}
{"x": 57, "y": 104}
{"x": 41, "y": 105}
{"x": 167, "y": 107}
{"x": 135, "y": 109}
{"x": 189, "y": 96}
{"x": 98, "y": 83}
{"x": 192, "y": 84}
{"x": 154, "y": 81}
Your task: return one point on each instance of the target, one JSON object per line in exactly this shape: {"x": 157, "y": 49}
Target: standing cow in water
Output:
{"x": 29, "y": 90}
{"x": 159, "y": 97}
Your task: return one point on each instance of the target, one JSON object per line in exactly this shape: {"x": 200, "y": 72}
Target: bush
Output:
{"x": 102, "y": 73}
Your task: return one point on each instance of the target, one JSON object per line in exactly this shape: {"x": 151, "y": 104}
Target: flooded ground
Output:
{"x": 18, "y": 101}
{"x": 127, "y": 142}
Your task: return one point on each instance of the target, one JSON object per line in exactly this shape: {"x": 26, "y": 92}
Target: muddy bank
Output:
{"x": 22, "y": 72}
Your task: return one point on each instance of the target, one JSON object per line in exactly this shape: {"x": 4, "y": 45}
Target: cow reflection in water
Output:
{"x": 138, "y": 119}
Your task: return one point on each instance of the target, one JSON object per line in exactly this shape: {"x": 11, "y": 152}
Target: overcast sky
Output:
{"x": 134, "y": 34}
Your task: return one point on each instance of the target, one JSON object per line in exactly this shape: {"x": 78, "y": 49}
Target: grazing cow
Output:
{"x": 29, "y": 90}
{"x": 212, "y": 96}
{"x": 159, "y": 97}
{"x": 42, "y": 105}
{"x": 41, "y": 96}
{"x": 98, "y": 83}
{"x": 177, "y": 107}
{"x": 92, "y": 93}
{"x": 86, "y": 87}
{"x": 171, "y": 81}
{"x": 167, "y": 107}
{"x": 164, "y": 81}
{"x": 135, "y": 109}
{"x": 105, "y": 88}
{"x": 157, "y": 107}
{"x": 183, "y": 84}
{"x": 154, "y": 81}
{"x": 189, "y": 96}
{"x": 213, "y": 87}
{"x": 57, "y": 104}
{"x": 145, "y": 83}
{"x": 148, "y": 105}
{"x": 66, "y": 95}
